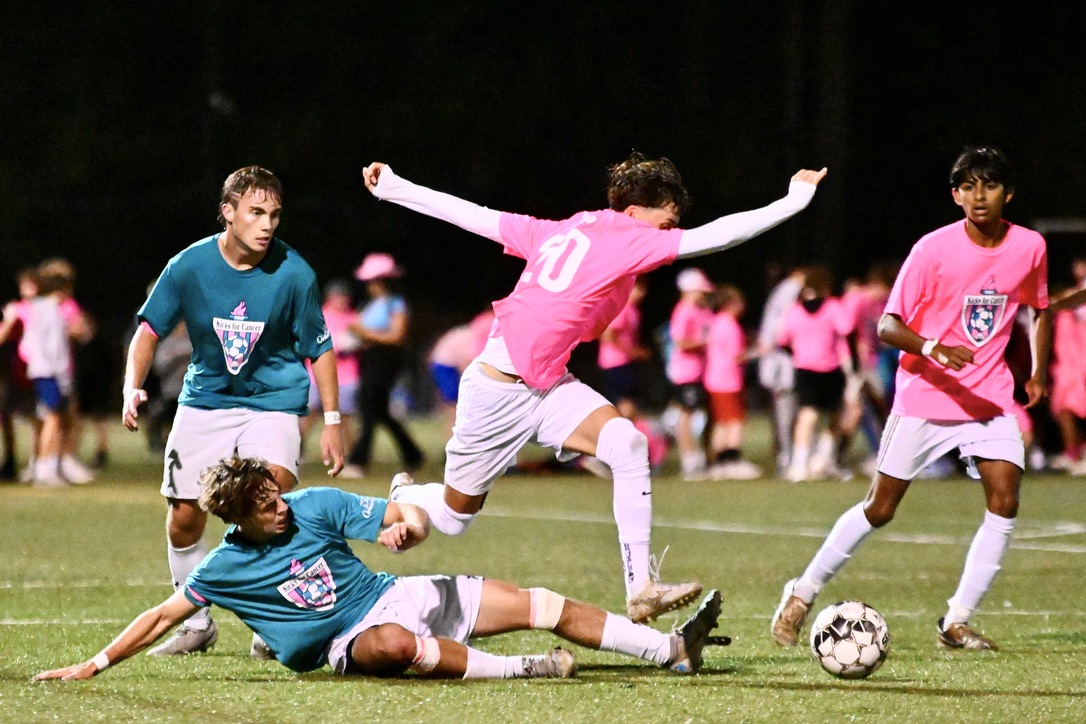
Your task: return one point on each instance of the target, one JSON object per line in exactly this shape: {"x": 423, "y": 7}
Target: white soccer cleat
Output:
{"x": 555, "y": 664}
{"x": 187, "y": 640}
{"x": 399, "y": 480}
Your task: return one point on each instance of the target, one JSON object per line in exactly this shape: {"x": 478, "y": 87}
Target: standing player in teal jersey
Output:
{"x": 253, "y": 312}
{"x": 285, "y": 568}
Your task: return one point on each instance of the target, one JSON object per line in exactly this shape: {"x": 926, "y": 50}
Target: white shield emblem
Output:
{"x": 312, "y": 587}
{"x": 238, "y": 337}
{"x": 982, "y": 315}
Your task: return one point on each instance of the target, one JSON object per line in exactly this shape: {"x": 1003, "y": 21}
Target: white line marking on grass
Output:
{"x": 1017, "y": 541}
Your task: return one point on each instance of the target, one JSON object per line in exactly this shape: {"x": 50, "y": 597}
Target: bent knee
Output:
{"x": 385, "y": 650}
{"x": 621, "y": 443}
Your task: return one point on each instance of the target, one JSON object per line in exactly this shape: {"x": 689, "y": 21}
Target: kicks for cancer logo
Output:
{"x": 982, "y": 314}
{"x": 238, "y": 336}
{"x": 311, "y": 587}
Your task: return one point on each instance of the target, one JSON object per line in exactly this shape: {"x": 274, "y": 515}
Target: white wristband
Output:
{"x": 928, "y": 347}
{"x": 331, "y": 417}
{"x": 101, "y": 661}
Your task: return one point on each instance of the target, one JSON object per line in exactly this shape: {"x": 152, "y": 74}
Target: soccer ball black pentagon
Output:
{"x": 850, "y": 639}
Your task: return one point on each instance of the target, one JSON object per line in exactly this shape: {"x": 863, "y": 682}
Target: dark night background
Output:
{"x": 120, "y": 122}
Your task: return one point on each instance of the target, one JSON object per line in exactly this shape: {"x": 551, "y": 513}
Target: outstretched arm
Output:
{"x": 734, "y": 229}
{"x": 147, "y": 628}
{"x": 383, "y": 183}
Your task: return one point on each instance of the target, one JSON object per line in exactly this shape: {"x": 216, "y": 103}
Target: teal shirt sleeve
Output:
{"x": 310, "y": 329}
{"x": 355, "y": 517}
{"x": 162, "y": 309}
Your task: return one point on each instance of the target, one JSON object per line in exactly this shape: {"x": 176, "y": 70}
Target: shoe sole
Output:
{"x": 702, "y": 622}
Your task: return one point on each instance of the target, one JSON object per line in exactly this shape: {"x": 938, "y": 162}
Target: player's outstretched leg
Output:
{"x": 624, "y": 449}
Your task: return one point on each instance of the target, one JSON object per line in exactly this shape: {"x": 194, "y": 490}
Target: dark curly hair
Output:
{"x": 235, "y": 487}
{"x": 648, "y": 182}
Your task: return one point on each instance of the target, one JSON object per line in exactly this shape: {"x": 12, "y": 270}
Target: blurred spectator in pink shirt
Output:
{"x": 689, "y": 331}
{"x": 815, "y": 329}
{"x": 725, "y": 354}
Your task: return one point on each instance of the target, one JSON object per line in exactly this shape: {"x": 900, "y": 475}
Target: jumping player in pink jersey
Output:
{"x": 577, "y": 277}
{"x": 950, "y": 313}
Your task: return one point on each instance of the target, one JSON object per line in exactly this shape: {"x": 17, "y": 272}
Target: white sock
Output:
{"x": 183, "y": 561}
{"x": 482, "y": 665}
{"x": 982, "y": 563}
{"x": 626, "y": 451}
{"x": 431, "y": 498}
{"x": 847, "y": 534}
{"x": 626, "y": 637}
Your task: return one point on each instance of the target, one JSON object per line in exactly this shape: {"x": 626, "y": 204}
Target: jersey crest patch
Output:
{"x": 982, "y": 314}
{"x": 238, "y": 337}
{"x": 311, "y": 588}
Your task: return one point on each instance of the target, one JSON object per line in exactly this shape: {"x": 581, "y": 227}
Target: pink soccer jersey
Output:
{"x": 626, "y": 328}
{"x": 952, "y": 290}
{"x": 578, "y": 275}
{"x": 1069, "y": 364}
{"x": 689, "y": 323}
{"x": 816, "y": 339}
{"x": 723, "y": 372}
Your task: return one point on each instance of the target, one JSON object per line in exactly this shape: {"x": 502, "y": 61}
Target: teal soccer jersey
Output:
{"x": 250, "y": 330}
{"x": 304, "y": 587}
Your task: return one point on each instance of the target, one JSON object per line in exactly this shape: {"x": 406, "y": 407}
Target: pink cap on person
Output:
{"x": 693, "y": 280}
{"x": 377, "y": 266}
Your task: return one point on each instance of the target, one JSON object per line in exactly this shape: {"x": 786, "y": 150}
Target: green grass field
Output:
{"x": 79, "y": 563}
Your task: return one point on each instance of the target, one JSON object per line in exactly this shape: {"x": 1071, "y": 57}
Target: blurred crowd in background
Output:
{"x": 810, "y": 359}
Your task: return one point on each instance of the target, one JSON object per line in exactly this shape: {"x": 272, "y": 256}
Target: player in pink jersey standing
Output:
{"x": 577, "y": 277}
{"x": 950, "y": 313}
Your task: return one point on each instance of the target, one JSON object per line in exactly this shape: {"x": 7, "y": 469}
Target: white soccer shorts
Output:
{"x": 427, "y": 606}
{"x": 910, "y": 444}
{"x": 494, "y": 420}
{"x": 200, "y": 438}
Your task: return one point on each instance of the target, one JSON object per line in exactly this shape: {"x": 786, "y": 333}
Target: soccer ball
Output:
{"x": 236, "y": 347}
{"x": 850, "y": 639}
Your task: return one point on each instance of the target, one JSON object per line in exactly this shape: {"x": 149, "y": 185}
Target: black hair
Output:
{"x": 982, "y": 162}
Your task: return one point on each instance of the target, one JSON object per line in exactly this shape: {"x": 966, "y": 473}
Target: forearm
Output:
{"x": 734, "y": 229}
{"x": 1041, "y": 343}
{"x": 141, "y": 354}
{"x": 894, "y": 332}
{"x": 468, "y": 216}
{"x": 326, "y": 378}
